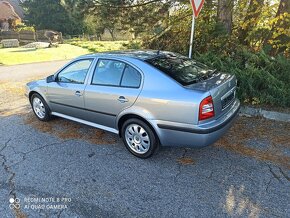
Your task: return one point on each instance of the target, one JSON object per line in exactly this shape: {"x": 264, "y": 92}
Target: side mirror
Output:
{"x": 50, "y": 79}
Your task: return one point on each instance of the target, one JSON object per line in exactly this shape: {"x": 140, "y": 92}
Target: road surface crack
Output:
{"x": 275, "y": 175}
{"x": 12, "y": 174}
{"x": 11, "y": 180}
{"x": 5, "y": 145}
{"x": 180, "y": 165}
{"x": 34, "y": 150}
{"x": 284, "y": 174}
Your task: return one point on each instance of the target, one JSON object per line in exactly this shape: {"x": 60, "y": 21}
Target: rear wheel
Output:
{"x": 40, "y": 108}
{"x": 139, "y": 138}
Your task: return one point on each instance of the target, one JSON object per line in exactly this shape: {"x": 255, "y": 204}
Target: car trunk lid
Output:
{"x": 222, "y": 88}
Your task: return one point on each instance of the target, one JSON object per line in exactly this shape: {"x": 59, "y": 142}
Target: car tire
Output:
{"x": 139, "y": 138}
{"x": 40, "y": 107}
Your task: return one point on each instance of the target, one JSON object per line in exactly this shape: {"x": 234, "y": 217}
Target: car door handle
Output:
{"x": 78, "y": 93}
{"x": 122, "y": 99}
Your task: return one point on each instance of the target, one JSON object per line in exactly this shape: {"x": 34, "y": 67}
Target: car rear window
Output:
{"x": 182, "y": 69}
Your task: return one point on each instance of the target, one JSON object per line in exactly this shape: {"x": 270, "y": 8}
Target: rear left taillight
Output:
{"x": 206, "y": 109}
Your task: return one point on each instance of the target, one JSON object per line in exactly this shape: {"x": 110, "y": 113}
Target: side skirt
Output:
{"x": 86, "y": 122}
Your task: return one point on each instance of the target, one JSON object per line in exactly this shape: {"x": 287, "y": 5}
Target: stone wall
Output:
{"x": 10, "y": 43}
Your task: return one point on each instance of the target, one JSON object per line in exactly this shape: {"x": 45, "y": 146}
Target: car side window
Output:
{"x": 131, "y": 78}
{"x": 108, "y": 72}
{"x": 75, "y": 72}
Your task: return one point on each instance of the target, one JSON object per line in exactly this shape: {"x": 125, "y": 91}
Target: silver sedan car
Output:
{"x": 150, "y": 98}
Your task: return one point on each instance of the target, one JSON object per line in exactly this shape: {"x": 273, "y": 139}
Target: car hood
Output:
{"x": 36, "y": 83}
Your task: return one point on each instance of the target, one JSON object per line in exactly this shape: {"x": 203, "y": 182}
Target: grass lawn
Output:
{"x": 11, "y": 56}
{"x": 100, "y": 46}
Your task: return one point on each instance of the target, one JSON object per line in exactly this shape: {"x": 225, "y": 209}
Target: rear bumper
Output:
{"x": 179, "y": 134}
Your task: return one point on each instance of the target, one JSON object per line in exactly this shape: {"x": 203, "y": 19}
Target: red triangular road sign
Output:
{"x": 196, "y": 6}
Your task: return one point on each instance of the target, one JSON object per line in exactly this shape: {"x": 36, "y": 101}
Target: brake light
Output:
{"x": 206, "y": 109}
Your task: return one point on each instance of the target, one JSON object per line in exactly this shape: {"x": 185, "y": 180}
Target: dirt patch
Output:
{"x": 276, "y": 134}
{"x": 186, "y": 161}
{"x": 66, "y": 129}
{"x": 13, "y": 101}
{"x": 19, "y": 214}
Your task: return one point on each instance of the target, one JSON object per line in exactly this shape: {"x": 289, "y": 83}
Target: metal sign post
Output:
{"x": 196, "y": 7}
{"x": 191, "y": 37}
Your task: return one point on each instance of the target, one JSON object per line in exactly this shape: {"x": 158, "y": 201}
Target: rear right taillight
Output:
{"x": 206, "y": 109}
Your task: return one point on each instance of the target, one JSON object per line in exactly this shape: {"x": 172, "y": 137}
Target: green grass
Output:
{"x": 11, "y": 56}
{"x": 99, "y": 46}
{"x": 73, "y": 48}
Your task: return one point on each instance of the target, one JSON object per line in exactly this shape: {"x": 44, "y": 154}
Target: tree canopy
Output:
{"x": 52, "y": 14}
{"x": 255, "y": 24}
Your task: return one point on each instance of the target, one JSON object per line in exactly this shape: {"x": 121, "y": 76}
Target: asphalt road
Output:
{"x": 65, "y": 169}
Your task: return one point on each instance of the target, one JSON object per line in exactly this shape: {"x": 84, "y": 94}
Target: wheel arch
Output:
{"x": 126, "y": 117}
{"x": 39, "y": 93}
{"x": 34, "y": 92}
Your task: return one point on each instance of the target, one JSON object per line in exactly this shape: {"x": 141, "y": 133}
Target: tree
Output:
{"x": 279, "y": 36}
{"x": 50, "y": 14}
{"x": 144, "y": 19}
{"x": 252, "y": 16}
{"x": 94, "y": 26}
{"x": 108, "y": 17}
{"x": 225, "y": 14}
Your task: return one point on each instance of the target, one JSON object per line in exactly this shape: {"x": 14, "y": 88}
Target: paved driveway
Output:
{"x": 64, "y": 169}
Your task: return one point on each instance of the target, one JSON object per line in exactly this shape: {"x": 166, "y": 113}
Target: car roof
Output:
{"x": 137, "y": 54}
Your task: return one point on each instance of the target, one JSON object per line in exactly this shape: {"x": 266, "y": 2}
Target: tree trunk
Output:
{"x": 112, "y": 32}
{"x": 253, "y": 13}
{"x": 284, "y": 7}
{"x": 225, "y": 14}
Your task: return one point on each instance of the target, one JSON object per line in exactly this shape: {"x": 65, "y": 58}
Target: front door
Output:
{"x": 66, "y": 95}
{"x": 115, "y": 86}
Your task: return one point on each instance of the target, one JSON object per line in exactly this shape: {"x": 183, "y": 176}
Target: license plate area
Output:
{"x": 228, "y": 98}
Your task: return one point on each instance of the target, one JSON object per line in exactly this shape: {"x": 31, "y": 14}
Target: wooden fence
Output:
{"x": 27, "y": 36}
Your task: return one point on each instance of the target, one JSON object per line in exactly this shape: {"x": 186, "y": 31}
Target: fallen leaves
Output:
{"x": 276, "y": 134}
{"x": 66, "y": 129}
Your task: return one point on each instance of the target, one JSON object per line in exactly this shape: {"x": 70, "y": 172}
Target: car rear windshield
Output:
{"x": 182, "y": 69}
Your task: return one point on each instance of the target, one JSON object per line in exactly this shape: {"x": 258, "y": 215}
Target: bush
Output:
{"x": 98, "y": 46}
{"x": 22, "y": 27}
{"x": 133, "y": 45}
{"x": 261, "y": 79}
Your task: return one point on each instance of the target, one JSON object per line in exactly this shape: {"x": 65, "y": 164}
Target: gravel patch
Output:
{"x": 36, "y": 45}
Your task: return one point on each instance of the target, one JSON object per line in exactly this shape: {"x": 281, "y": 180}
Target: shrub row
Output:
{"x": 262, "y": 79}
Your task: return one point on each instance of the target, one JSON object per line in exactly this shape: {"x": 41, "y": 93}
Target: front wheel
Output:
{"x": 40, "y": 108}
{"x": 139, "y": 138}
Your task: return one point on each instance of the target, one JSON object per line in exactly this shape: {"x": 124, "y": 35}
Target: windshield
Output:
{"x": 184, "y": 70}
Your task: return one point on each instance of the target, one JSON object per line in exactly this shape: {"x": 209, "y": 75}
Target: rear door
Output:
{"x": 115, "y": 85}
{"x": 66, "y": 95}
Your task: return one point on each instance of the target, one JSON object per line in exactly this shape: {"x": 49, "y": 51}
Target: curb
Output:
{"x": 258, "y": 112}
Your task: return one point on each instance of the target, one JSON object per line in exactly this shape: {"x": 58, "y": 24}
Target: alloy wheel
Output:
{"x": 137, "y": 138}
{"x": 38, "y": 107}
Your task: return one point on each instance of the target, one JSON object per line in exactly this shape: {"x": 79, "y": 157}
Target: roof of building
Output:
{"x": 17, "y": 7}
{"x": 7, "y": 11}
